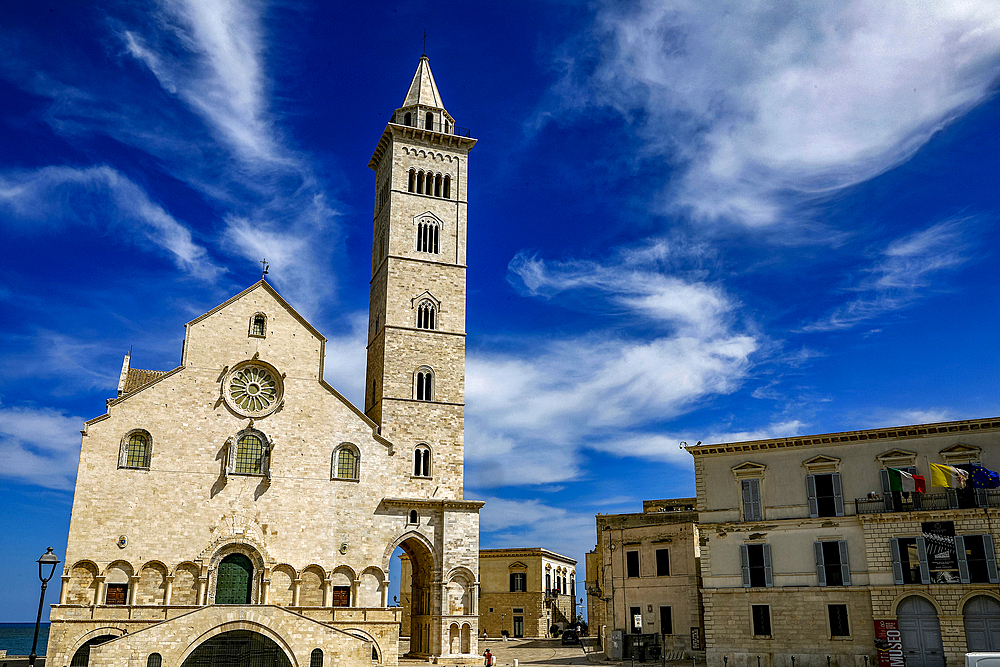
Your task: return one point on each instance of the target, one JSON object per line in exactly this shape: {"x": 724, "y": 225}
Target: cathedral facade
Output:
{"x": 238, "y": 505}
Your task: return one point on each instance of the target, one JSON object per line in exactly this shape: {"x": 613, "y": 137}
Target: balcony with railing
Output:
{"x": 413, "y": 120}
{"x": 917, "y": 502}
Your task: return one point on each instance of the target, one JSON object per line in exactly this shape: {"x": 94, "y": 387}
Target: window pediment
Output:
{"x": 897, "y": 458}
{"x": 517, "y": 565}
{"x": 961, "y": 453}
{"x": 425, "y": 295}
{"x": 427, "y": 217}
{"x": 749, "y": 470}
{"x": 822, "y": 464}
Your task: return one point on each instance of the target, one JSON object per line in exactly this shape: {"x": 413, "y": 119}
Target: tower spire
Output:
{"x": 423, "y": 90}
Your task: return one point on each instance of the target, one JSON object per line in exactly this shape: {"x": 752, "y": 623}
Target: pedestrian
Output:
{"x": 488, "y": 662}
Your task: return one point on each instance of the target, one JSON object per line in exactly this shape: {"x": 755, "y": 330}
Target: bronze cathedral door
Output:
{"x": 235, "y": 579}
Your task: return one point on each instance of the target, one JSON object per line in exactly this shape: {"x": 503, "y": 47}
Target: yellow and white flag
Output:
{"x": 948, "y": 476}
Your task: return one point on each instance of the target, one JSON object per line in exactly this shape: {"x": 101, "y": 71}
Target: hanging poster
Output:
{"x": 889, "y": 643}
{"x": 942, "y": 561}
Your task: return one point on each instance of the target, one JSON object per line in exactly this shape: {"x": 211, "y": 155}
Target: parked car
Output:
{"x": 570, "y": 637}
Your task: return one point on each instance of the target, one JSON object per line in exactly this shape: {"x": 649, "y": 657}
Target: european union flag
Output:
{"x": 984, "y": 478}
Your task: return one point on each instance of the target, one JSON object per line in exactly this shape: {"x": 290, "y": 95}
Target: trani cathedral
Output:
{"x": 238, "y": 509}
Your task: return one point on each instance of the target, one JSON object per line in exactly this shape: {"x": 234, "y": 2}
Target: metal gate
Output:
{"x": 982, "y": 624}
{"x": 238, "y": 648}
{"x": 82, "y": 655}
{"x": 921, "y": 633}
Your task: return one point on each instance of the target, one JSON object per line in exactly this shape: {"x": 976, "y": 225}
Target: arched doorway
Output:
{"x": 235, "y": 580}
{"x": 416, "y": 579}
{"x": 82, "y": 656}
{"x": 238, "y": 648}
{"x": 982, "y": 624}
{"x": 921, "y": 633}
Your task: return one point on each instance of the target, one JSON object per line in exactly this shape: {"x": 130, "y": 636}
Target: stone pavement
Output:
{"x": 543, "y": 652}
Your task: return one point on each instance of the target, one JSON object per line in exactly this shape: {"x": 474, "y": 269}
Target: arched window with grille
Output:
{"x": 258, "y": 325}
{"x": 422, "y": 461}
{"x": 346, "y": 462}
{"x": 316, "y": 658}
{"x": 428, "y": 236}
{"x": 446, "y": 189}
{"x": 426, "y": 315}
{"x": 249, "y": 455}
{"x": 136, "y": 450}
{"x": 411, "y": 183}
{"x": 154, "y": 660}
{"x": 423, "y": 381}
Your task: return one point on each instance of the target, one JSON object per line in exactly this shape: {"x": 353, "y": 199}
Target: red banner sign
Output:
{"x": 889, "y": 643}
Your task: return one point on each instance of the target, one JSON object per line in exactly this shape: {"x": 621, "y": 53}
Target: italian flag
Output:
{"x": 904, "y": 481}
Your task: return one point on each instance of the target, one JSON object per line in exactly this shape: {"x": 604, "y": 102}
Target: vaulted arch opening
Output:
{"x": 238, "y": 648}
{"x": 412, "y": 565}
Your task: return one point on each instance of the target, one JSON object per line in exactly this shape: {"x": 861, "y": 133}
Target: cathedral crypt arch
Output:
{"x": 238, "y": 648}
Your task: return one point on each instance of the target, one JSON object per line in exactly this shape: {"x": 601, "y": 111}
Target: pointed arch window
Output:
{"x": 422, "y": 461}
{"x": 426, "y": 316}
{"x": 346, "y": 462}
{"x": 136, "y": 450}
{"x": 423, "y": 389}
{"x": 428, "y": 237}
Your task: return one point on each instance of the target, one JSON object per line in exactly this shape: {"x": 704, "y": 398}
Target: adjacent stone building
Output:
{"x": 526, "y": 592}
{"x": 643, "y": 576}
{"x": 238, "y": 505}
{"x": 807, "y": 552}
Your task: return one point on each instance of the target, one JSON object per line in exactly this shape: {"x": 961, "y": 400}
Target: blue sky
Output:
{"x": 688, "y": 221}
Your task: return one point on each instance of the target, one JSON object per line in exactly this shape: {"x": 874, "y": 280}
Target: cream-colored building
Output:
{"x": 643, "y": 577}
{"x": 525, "y": 592}
{"x": 806, "y": 550}
{"x": 239, "y": 505}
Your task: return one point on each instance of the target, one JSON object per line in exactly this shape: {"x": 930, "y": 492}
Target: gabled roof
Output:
{"x": 270, "y": 290}
{"x": 423, "y": 90}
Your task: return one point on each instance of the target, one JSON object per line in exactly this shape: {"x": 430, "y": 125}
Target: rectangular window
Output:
{"x": 832, "y": 567}
{"x": 755, "y": 560}
{"x": 117, "y": 594}
{"x": 666, "y": 622}
{"x": 838, "y": 621}
{"x": 761, "y": 614}
{"x": 632, "y": 564}
{"x": 976, "y": 559}
{"x": 635, "y": 619}
{"x": 518, "y": 582}
{"x": 751, "y": 500}
{"x": 663, "y": 562}
{"x": 341, "y": 596}
{"x": 909, "y": 560}
{"x": 825, "y": 495}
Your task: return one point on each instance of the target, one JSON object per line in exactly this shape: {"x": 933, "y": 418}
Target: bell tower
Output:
{"x": 415, "y": 383}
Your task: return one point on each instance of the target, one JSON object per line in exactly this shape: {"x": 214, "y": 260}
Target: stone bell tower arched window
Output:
{"x": 426, "y": 315}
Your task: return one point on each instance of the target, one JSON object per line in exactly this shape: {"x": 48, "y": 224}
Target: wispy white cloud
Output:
{"x": 761, "y": 105}
{"x": 39, "y": 446}
{"x": 509, "y": 523}
{"x": 903, "y": 273}
{"x": 35, "y": 201}
{"x": 542, "y": 403}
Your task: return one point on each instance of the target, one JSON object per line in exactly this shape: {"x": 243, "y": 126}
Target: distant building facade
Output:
{"x": 643, "y": 576}
{"x": 808, "y": 552}
{"x": 525, "y": 592}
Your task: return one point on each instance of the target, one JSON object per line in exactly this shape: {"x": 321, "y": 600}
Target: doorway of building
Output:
{"x": 982, "y": 624}
{"x": 921, "y": 633}
{"x": 235, "y": 580}
{"x": 519, "y": 626}
{"x": 416, "y": 581}
{"x": 238, "y": 648}
{"x": 82, "y": 656}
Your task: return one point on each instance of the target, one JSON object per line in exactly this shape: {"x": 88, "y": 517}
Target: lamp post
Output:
{"x": 48, "y": 559}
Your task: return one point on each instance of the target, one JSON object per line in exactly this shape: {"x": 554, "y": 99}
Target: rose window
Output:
{"x": 253, "y": 390}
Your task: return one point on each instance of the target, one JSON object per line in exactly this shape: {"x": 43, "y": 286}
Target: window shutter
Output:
{"x": 886, "y": 489}
{"x": 745, "y": 565}
{"x": 991, "y": 559}
{"x": 925, "y": 575}
{"x": 751, "y": 500}
{"x": 845, "y": 564}
{"x": 963, "y": 562}
{"x": 811, "y": 493}
{"x": 768, "y": 579}
{"x": 820, "y": 565}
{"x": 745, "y": 486}
{"x": 838, "y": 494}
{"x": 897, "y": 566}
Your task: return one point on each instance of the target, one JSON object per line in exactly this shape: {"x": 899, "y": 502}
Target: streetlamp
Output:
{"x": 48, "y": 558}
